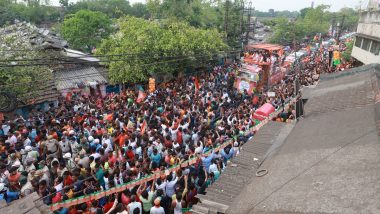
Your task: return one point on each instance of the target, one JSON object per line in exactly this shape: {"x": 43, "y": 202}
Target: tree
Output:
{"x": 304, "y": 11}
{"x": 285, "y": 32}
{"x": 35, "y": 12}
{"x": 156, "y": 47}
{"x": 85, "y": 29}
{"x": 351, "y": 18}
{"x": 112, "y": 8}
{"x": 139, "y": 10}
{"x": 153, "y": 7}
{"x": 315, "y": 20}
{"x": 64, "y": 3}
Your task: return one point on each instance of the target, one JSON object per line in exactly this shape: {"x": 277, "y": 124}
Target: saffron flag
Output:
{"x": 281, "y": 52}
{"x": 143, "y": 127}
{"x": 141, "y": 96}
{"x": 108, "y": 117}
{"x": 196, "y": 82}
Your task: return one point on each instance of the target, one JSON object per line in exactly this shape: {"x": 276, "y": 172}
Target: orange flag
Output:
{"x": 108, "y": 117}
{"x": 197, "y": 86}
{"x": 143, "y": 127}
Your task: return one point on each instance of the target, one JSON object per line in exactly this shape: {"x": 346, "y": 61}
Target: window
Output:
{"x": 366, "y": 44}
{"x": 358, "y": 42}
{"x": 375, "y": 48}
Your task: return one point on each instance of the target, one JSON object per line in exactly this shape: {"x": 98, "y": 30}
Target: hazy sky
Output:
{"x": 265, "y": 5}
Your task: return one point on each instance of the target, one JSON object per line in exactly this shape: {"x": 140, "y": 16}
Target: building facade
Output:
{"x": 367, "y": 42}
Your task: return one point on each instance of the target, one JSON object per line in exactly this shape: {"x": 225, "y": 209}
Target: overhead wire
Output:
{"x": 96, "y": 74}
{"x": 101, "y": 61}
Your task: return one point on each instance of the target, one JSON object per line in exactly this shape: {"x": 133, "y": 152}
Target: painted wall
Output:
{"x": 365, "y": 57}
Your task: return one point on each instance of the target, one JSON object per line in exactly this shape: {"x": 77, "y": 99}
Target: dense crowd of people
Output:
{"x": 88, "y": 144}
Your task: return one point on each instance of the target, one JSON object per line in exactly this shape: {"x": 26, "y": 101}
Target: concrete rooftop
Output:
{"x": 330, "y": 162}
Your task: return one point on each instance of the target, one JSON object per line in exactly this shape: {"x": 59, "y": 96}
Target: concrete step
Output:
{"x": 200, "y": 209}
{"x": 197, "y": 212}
{"x": 211, "y": 198}
{"x": 220, "y": 196}
{"x": 232, "y": 189}
{"x": 226, "y": 192}
{"x": 212, "y": 205}
{"x": 233, "y": 179}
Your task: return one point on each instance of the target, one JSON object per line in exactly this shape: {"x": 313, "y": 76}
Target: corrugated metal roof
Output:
{"x": 69, "y": 79}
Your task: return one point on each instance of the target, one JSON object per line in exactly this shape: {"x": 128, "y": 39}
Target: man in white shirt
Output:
{"x": 134, "y": 205}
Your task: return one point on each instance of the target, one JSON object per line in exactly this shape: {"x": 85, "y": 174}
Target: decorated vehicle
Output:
{"x": 261, "y": 59}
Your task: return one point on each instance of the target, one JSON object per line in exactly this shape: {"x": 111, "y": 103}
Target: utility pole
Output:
{"x": 241, "y": 23}
{"x": 226, "y": 18}
{"x": 341, "y": 27}
{"x": 333, "y": 23}
{"x": 249, "y": 23}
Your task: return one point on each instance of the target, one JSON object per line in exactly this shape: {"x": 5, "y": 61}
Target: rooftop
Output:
{"x": 330, "y": 161}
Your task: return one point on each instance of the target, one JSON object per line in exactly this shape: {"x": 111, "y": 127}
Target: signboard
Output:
{"x": 243, "y": 85}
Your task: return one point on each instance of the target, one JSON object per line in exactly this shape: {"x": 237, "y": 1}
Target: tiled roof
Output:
{"x": 74, "y": 78}
{"x": 47, "y": 92}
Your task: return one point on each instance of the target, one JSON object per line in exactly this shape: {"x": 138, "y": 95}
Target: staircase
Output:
{"x": 221, "y": 194}
{"x": 27, "y": 205}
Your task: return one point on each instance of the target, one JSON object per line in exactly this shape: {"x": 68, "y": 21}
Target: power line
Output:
{"x": 147, "y": 55}
{"x": 109, "y": 60}
{"x": 95, "y": 74}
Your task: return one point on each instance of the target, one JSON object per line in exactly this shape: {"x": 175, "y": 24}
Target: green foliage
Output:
{"x": 351, "y": 18}
{"x": 347, "y": 53}
{"x": 33, "y": 12}
{"x": 310, "y": 22}
{"x": 153, "y": 43}
{"x": 315, "y": 20}
{"x": 85, "y": 29}
{"x": 285, "y": 32}
{"x": 112, "y": 8}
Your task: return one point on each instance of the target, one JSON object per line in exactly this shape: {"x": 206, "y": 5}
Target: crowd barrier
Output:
{"x": 100, "y": 194}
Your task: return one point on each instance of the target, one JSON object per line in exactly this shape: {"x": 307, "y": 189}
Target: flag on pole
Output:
{"x": 143, "y": 127}
{"x": 108, "y": 117}
{"x": 141, "y": 96}
{"x": 196, "y": 82}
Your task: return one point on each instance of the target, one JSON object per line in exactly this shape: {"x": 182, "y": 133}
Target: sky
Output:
{"x": 291, "y": 5}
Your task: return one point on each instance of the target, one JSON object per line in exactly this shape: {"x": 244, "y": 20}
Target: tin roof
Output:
{"x": 78, "y": 77}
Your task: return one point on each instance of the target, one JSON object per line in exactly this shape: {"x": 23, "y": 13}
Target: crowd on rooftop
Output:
{"x": 88, "y": 144}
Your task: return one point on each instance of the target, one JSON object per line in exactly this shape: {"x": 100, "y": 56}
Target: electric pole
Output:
{"x": 241, "y": 23}
{"x": 249, "y": 23}
{"x": 341, "y": 27}
{"x": 333, "y": 23}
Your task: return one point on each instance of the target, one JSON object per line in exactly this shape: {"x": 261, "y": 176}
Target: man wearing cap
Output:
{"x": 65, "y": 145}
{"x": 52, "y": 148}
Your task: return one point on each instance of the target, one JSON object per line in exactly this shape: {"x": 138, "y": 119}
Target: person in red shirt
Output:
{"x": 109, "y": 204}
{"x": 130, "y": 154}
{"x": 67, "y": 179}
{"x": 13, "y": 179}
{"x": 179, "y": 135}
